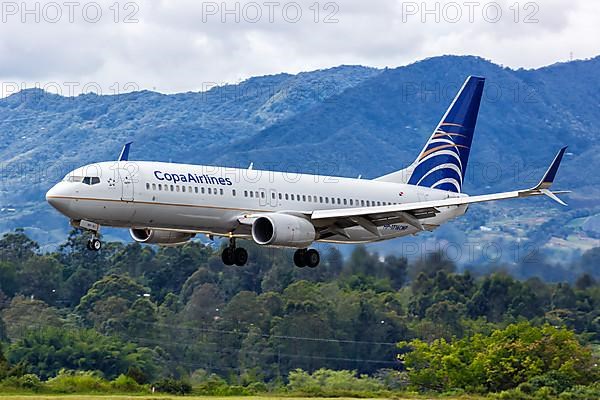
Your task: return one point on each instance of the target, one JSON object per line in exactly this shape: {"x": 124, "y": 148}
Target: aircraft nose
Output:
{"x": 56, "y": 199}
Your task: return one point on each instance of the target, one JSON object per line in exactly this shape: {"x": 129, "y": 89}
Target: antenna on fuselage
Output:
{"x": 251, "y": 166}
{"x": 124, "y": 156}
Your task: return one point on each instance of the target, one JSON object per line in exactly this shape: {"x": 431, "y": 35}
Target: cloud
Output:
{"x": 182, "y": 45}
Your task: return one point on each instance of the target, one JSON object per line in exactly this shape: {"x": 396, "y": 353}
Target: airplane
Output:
{"x": 169, "y": 204}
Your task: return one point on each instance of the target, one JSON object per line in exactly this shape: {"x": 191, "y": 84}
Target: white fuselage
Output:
{"x": 211, "y": 200}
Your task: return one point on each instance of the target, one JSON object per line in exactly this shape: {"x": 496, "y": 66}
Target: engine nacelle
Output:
{"x": 283, "y": 230}
{"x": 165, "y": 238}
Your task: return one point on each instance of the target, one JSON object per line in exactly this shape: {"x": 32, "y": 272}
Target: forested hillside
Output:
{"x": 140, "y": 315}
{"x": 346, "y": 120}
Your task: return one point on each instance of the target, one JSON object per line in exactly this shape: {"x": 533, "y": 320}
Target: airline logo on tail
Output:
{"x": 442, "y": 163}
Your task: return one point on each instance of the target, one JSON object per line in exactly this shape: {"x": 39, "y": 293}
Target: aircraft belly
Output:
{"x": 186, "y": 218}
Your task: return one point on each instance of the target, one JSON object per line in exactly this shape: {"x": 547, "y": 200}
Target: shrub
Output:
{"x": 581, "y": 393}
{"x": 173, "y": 386}
{"x": 28, "y": 381}
{"x": 77, "y": 382}
{"x": 257, "y": 387}
{"x": 124, "y": 383}
{"x": 333, "y": 383}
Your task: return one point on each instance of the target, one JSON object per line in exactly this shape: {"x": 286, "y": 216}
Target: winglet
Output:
{"x": 124, "y": 156}
{"x": 544, "y": 185}
{"x": 550, "y": 174}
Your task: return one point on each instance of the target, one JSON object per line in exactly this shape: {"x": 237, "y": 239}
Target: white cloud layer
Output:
{"x": 181, "y": 45}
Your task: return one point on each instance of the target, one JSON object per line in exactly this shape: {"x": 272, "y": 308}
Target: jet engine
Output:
{"x": 283, "y": 230}
{"x": 155, "y": 236}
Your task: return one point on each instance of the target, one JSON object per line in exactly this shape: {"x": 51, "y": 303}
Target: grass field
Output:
{"x": 159, "y": 397}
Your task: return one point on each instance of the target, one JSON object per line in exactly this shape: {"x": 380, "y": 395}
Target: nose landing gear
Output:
{"x": 234, "y": 255}
{"x": 94, "y": 244}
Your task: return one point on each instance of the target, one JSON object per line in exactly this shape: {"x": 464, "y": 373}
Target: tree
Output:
{"x": 8, "y": 278}
{"x": 564, "y": 297}
{"x": 41, "y": 277}
{"x": 585, "y": 281}
{"x": 502, "y": 360}
{"x": 17, "y": 247}
{"x": 106, "y": 304}
{"x": 46, "y": 351}
{"x": 431, "y": 264}
{"x": 25, "y": 314}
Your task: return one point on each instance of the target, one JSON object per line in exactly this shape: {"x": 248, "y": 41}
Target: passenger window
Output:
{"x": 362, "y": 203}
{"x": 233, "y": 192}
{"x": 221, "y": 191}
{"x": 190, "y": 189}
{"x": 183, "y": 189}
{"x": 154, "y": 186}
{"x": 262, "y": 195}
{"x": 172, "y": 188}
{"x": 339, "y": 201}
{"x": 321, "y": 199}
{"x": 326, "y": 200}
{"x": 351, "y": 202}
{"x": 345, "y": 202}
{"x": 202, "y": 190}
{"x": 245, "y": 193}
{"x": 287, "y": 197}
{"x": 303, "y": 197}
{"x": 147, "y": 186}
{"x": 280, "y": 196}
{"x": 196, "y": 189}
{"x": 252, "y": 194}
{"x": 256, "y": 194}
{"x": 292, "y": 196}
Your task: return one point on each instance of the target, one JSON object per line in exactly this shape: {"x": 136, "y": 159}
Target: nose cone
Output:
{"x": 57, "y": 199}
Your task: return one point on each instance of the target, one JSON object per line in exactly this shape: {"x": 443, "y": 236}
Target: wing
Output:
{"x": 334, "y": 221}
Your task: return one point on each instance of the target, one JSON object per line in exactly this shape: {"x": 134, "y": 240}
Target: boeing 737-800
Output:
{"x": 168, "y": 204}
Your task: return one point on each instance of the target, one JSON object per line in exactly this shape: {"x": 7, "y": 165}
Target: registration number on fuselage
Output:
{"x": 395, "y": 228}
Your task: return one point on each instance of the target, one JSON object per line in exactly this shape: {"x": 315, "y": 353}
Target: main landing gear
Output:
{"x": 307, "y": 258}
{"x": 234, "y": 255}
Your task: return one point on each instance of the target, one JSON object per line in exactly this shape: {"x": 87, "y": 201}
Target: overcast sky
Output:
{"x": 188, "y": 45}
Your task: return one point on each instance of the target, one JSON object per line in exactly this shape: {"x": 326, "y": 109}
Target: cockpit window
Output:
{"x": 91, "y": 180}
{"x": 73, "y": 178}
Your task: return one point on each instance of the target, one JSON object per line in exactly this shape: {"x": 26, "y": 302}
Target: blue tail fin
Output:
{"x": 443, "y": 161}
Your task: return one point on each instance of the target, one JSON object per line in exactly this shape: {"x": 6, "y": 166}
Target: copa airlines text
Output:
{"x": 168, "y": 204}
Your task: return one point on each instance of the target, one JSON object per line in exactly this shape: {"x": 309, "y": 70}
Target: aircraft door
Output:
{"x": 127, "y": 177}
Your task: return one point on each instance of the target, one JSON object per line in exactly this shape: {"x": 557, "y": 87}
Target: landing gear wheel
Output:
{"x": 240, "y": 257}
{"x": 94, "y": 244}
{"x": 299, "y": 258}
{"x": 312, "y": 258}
{"x": 228, "y": 256}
